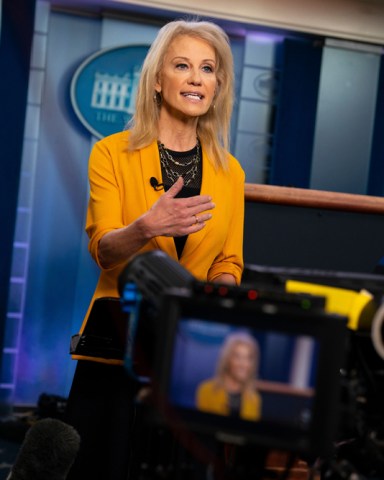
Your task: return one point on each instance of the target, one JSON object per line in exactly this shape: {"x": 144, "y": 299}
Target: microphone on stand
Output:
{"x": 155, "y": 184}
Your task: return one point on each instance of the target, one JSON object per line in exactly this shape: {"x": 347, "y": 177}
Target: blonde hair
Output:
{"x": 231, "y": 341}
{"x": 213, "y": 128}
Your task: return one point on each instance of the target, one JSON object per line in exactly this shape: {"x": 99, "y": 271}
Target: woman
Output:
{"x": 168, "y": 183}
{"x": 232, "y": 392}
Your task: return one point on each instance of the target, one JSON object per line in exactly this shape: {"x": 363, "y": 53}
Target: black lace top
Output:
{"x": 182, "y": 167}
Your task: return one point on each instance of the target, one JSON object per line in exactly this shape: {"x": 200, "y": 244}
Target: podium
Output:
{"x": 294, "y": 227}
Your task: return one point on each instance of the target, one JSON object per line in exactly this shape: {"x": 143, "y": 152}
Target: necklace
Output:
{"x": 170, "y": 165}
{"x": 173, "y": 160}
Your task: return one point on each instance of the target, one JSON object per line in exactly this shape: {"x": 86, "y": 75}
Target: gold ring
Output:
{"x": 196, "y": 219}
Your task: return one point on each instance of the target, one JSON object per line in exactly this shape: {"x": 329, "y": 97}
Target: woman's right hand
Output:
{"x": 169, "y": 216}
{"x": 175, "y": 217}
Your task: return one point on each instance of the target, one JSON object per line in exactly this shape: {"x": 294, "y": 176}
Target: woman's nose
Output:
{"x": 195, "y": 76}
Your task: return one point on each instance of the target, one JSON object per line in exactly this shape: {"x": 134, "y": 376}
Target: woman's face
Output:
{"x": 240, "y": 363}
{"x": 188, "y": 79}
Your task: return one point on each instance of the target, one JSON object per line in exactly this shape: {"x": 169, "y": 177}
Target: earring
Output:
{"x": 157, "y": 98}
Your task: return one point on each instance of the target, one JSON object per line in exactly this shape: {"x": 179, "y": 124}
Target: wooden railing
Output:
{"x": 313, "y": 198}
{"x": 284, "y": 389}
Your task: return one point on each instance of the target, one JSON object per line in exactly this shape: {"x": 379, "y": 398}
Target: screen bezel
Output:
{"x": 291, "y": 320}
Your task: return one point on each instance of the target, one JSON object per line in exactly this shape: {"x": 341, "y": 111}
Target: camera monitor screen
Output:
{"x": 252, "y": 372}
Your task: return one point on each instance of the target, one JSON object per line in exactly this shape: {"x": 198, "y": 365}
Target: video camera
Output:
{"x": 317, "y": 385}
{"x": 178, "y": 327}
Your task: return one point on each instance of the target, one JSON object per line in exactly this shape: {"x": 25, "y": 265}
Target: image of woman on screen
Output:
{"x": 232, "y": 391}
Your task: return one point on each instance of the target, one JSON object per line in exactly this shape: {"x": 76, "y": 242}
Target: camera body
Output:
{"x": 175, "y": 336}
{"x": 319, "y": 380}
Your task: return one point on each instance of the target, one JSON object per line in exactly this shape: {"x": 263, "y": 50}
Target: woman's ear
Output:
{"x": 158, "y": 84}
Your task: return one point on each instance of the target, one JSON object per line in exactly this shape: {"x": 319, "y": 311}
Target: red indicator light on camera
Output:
{"x": 252, "y": 294}
{"x": 223, "y": 291}
{"x": 208, "y": 289}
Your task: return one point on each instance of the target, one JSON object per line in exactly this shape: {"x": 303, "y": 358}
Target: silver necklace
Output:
{"x": 166, "y": 160}
{"x": 174, "y": 161}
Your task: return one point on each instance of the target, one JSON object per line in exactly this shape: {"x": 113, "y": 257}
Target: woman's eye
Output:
{"x": 181, "y": 66}
{"x": 208, "y": 69}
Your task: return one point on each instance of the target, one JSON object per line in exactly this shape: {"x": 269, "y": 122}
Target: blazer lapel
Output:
{"x": 208, "y": 181}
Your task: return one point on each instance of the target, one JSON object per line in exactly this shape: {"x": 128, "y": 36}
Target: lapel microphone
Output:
{"x": 155, "y": 184}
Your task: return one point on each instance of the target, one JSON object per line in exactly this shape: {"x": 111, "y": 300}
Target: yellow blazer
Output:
{"x": 120, "y": 192}
{"x": 212, "y": 398}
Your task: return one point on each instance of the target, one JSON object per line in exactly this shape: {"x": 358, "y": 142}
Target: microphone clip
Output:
{"x": 155, "y": 184}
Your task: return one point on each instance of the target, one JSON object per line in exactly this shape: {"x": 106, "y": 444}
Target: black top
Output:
{"x": 234, "y": 400}
{"x": 182, "y": 167}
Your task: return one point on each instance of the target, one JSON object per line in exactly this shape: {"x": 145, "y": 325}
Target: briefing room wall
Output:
{"x": 58, "y": 196}
{"x": 60, "y": 276}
